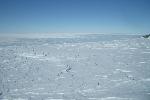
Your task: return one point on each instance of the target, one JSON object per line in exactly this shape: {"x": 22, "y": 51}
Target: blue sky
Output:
{"x": 75, "y": 16}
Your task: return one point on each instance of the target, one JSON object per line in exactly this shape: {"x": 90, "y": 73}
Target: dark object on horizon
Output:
{"x": 146, "y": 36}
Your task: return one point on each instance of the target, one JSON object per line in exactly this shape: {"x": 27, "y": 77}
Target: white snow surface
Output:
{"x": 57, "y": 69}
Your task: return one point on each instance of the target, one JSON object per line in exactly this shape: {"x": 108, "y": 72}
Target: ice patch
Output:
{"x": 132, "y": 48}
{"x": 142, "y": 62}
{"x": 105, "y": 76}
{"x": 110, "y": 46}
{"x": 53, "y": 99}
{"x": 36, "y": 93}
{"x": 60, "y": 65}
{"x": 5, "y": 99}
{"x": 61, "y": 93}
{"x": 40, "y": 57}
{"x": 121, "y": 83}
{"x": 97, "y": 75}
{"x": 88, "y": 90}
{"x": 116, "y": 80}
{"x": 145, "y": 52}
{"x": 93, "y": 98}
{"x": 15, "y": 90}
{"x": 70, "y": 58}
{"x": 39, "y": 89}
{"x": 20, "y": 99}
{"x": 30, "y": 55}
{"x": 122, "y": 70}
{"x": 33, "y": 93}
{"x": 109, "y": 98}
{"x": 53, "y": 59}
{"x": 45, "y": 44}
{"x": 114, "y": 98}
{"x": 60, "y": 78}
{"x": 146, "y": 79}
{"x": 148, "y": 93}
{"x": 5, "y": 61}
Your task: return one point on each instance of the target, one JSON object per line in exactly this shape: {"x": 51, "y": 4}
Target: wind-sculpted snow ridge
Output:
{"x": 41, "y": 69}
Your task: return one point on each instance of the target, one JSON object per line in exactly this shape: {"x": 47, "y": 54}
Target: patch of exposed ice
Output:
{"x": 20, "y": 99}
{"x": 115, "y": 98}
{"x": 142, "y": 62}
{"x": 148, "y": 93}
{"x": 15, "y": 90}
{"x": 104, "y": 76}
{"x": 60, "y": 78}
{"x": 36, "y": 93}
{"x": 110, "y": 98}
{"x": 5, "y": 61}
{"x": 33, "y": 93}
{"x": 59, "y": 65}
{"x": 146, "y": 79}
{"x": 132, "y": 48}
{"x": 122, "y": 70}
{"x": 53, "y": 59}
{"x": 53, "y": 99}
{"x": 30, "y": 55}
{"x": 70, "y": 58}
{"x": 110, "y": 45}
{"x": 5, "y": 99}
{"x": 97, "y": 75}
{"x": 93, "y": 98}
{"x": 61, "y": 93}
{"x": 145, "y": 52}
{"x": 122, "y": 82}
{"x": 89, "y": 90}
{"x": 116, "y": 80}
{"x": 40, "y": 57}
{"x": 45, "y": 44}
{"x": 39, "y": 89}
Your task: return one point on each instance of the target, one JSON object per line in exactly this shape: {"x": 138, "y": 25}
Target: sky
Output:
{"x": 75, "y": 16}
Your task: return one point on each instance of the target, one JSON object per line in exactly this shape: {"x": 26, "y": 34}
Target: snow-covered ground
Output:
{"x": 87, "y": 67}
